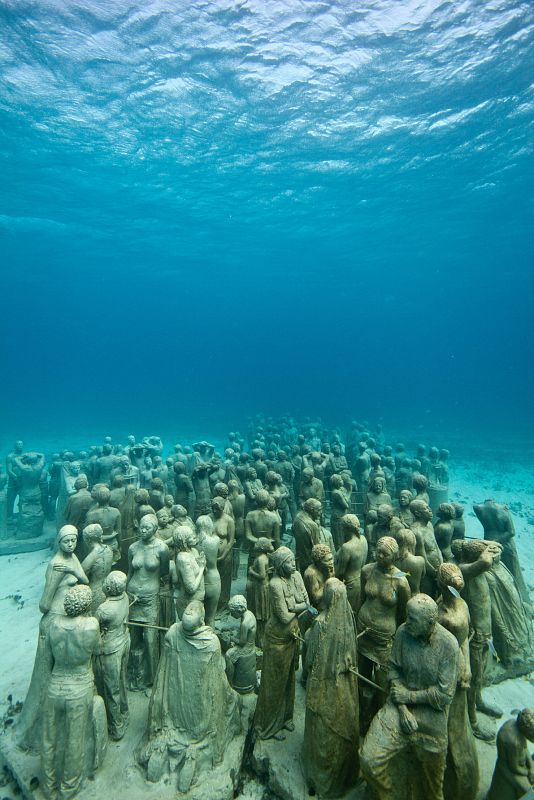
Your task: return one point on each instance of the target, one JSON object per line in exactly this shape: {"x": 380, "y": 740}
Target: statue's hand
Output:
{"x": 63, "y": 568}
{"x": 465, "y": 679}
{"x": 400, "y": 695}
{"x": 408, "y": 722}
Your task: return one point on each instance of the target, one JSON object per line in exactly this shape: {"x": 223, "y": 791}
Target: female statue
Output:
{"x": 209, "y": 545}
{"x": 108, "y": 517}
{"x": 385, "y": 592}
{"x": 413, "y": 566}
{"x": 258, "y": 586}
{"x": 351, "y": 558}
{"x": 274, "y": 709}
{"x": 444, "y": 529}
{"x": 330, "y": 749}
{"x": 339, "y": 506}
{"x": 377, "y": 494}
{"x": 187, "y": 571}
{"x": 63, "y": 572}
{"x": 461, "y": 775}
{"x": 148, "y": 563}
{"x": 97, "y": 563}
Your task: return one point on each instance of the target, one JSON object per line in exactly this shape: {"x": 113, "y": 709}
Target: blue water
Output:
{"x": 213, "y": 208}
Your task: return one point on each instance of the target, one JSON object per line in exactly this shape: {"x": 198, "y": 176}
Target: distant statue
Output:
{"x": 307, "y": 531}
{"x": 193, "y": 713}
{"x": 29, "y": 469}
{"x": 403, "y": 512}
{"x": 78, "y": 504}
{"x": 108, "y": 517}
{"x": 331, "y": 729}
{"x": 413, "y": 566}
{"x": 187, "y": 571}
{"x": 69, "y": 702}
{"x": 499, "y": 527}
{"x": 377, "y": 495}
{"x": 444, "y": 529}
{"x": 111, "y": 662}
{"x": 514, "y": 771}
{"x": 258, "y": 585}
{"x": 241, "y": 656}
{"x": 208, "y": 544}
{"x": 426, "y": 544}
{"x": 423, "y": 672}
{"x": 63, "y": 572}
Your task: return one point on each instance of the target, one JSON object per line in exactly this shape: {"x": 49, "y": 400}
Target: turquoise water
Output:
{"x": 212, "y": 208}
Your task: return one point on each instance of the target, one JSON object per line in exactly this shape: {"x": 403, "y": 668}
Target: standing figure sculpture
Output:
{"x": 385, "y": 593}
{"x": 73, "y": 640}
{"x": 29, "y": 470}
{"x": 111, "y": 663}
{"x": 274, "y": 709}
{"x": 331, "y": 729}
{"x": 187, "y": 571}
{"x": 351, "y": 558}
{"x": 208, "y": 543}
{"x": 148, "y": 562}
{"x": 258, "y": 585}
{"x": 63, "y": 572}
{"x": 241, "y": 656}
{"x": 97, "y": 563}
{"x": 514, "y": 770}
{"x": 108, "y": 517}
{"x": 423, "y": 672}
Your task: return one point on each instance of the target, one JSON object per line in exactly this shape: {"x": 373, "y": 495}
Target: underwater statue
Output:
{"x": 68, "y": 729}
{"x": 307, "y": 531}
{"x": 97, "y": 563}
{"x": 63, "y": 572}
{"x": 385, "y": 593}
{"x": 108, "y": 517}
{"x": 78, "y": 504}
{"x": 258, "y": 585}
{"x": 208, "y": 544}
{"x": 331, "y": 730}
{"x": 513, "y": 776}
{"x": 276, "y": 700}
{"x": 111, "y": 662}
{"x": 462, "y": 772}
{"x": 423, "y": 674}
{"x": 499, "y": 527}
{"x": 29, "y": 469}
{"x": 193, "y": 713}
{"x": 241, "y": 656}
{"x": 351, "y": 558}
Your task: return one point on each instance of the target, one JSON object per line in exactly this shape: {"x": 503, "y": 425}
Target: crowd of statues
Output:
{"x": 352, "y": 564}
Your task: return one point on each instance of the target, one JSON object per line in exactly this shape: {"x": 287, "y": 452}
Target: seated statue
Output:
{"x": 193, "y": 713}
{"x": 514, "y": 770}
{"x": 423, "y": 673}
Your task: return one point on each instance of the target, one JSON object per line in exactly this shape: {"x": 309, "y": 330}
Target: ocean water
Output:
{"x": 213, "y": 208}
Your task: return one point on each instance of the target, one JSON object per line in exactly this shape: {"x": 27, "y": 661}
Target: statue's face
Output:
{"x": 68, "y": 543}
{"x": 405, "y": 499}
{"x": 163, "y": 517}
{"x": 288, "y": 567}
{"x": 329, "y": 564}
{"x": 378, "y": 485}
{"x": 384, "y": 556}
{"x": 192, "y": 618}
{"x": 146, "y": 528}
{"x": 418, "y": 623}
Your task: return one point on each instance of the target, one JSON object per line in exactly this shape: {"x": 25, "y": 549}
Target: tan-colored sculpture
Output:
{"x": 148, "y": 562}
{"x": 187, "y": 571}
{"x": 377, "y": 495}
{"x": 514, "y": 770}
{"x": 413, "y": 566}
{"x": 193, "y": 712}
{"x": 97, "y": 563}
{"x": 111, "y": 663}
{"x": 274, "y": 710}
{"x": 426, "y": 544}
{"x": 63, "y": 572}
{"x": 208, "y": 544}
{"x": 108, "y": 517}
{"x": 78, "y": 504}
{"x": 330, "y": 748}
{"x": 258, "y": 585}
{"x": 462, "y": 773}
{"x": 385, "y": 593}
{"x": 260, "y": 522}
{"x": 72, "y": 641}
{"x": 241, "y": 656}
{"x": 307, "y": 531}
{"x": 28, "y": 468}
{"x": 423, "y": 671}
{"x": 224, "y": 527}
{"x": 339, "y": 506}
{"x": 351, "y": 558}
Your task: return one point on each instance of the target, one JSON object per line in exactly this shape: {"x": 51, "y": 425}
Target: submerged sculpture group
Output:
{"x": 357, "y": 568}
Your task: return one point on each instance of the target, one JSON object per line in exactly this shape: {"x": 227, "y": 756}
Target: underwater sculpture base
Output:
{"x": 120, "y": 775}
{"x": 10, "y": 544}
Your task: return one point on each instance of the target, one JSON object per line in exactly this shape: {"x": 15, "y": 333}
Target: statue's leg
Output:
{"x": 150, "y": 655}
{"x": 75, "y": 736}
{"x": 432, "y": 772}
{"x": 135, "y": 662}
{"x": 51, "y": 728}
{"x": 384, "y": 740}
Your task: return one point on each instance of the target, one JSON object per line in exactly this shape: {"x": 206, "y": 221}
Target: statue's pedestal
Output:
{"x": 121, "y": 777}
{"x": 10, "y": 543}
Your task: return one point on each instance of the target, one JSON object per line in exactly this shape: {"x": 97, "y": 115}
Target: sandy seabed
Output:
{"x": 22, "y": 580}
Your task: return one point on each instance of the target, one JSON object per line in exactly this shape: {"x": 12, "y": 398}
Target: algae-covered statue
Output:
{"x": 499, "y": 527}
{"x": 148, "y": 562}
{"x": 462, "y": 773}
{"x": 193, "y": 713}
{"x": 258, "y": 585}
{"x": 331, "y": 730}
{"x": 187, "y": 571}
{"x": 351, "y": 558}
{"x": 97, "y": 563}
{"x": 68, "y": 732}
{"x": 274, "y": 710}
{"x": 514, "y": 770}
{"x": 316, "y": 575}
{"x": 29, "y": 470}
{"x": 108, "y": 517}
{"x": 423, "y": 672}
{"x": 111, "y": 662}
{"x": 63, "y": 572}
{"x": 208, "y": 544}
{"x": 385, "y": 592}
{"x": 426, "y": 544}
{"x": 241, "y": 656}
{"x": 307, "y": 531}
{"x": 413, "y": 566}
